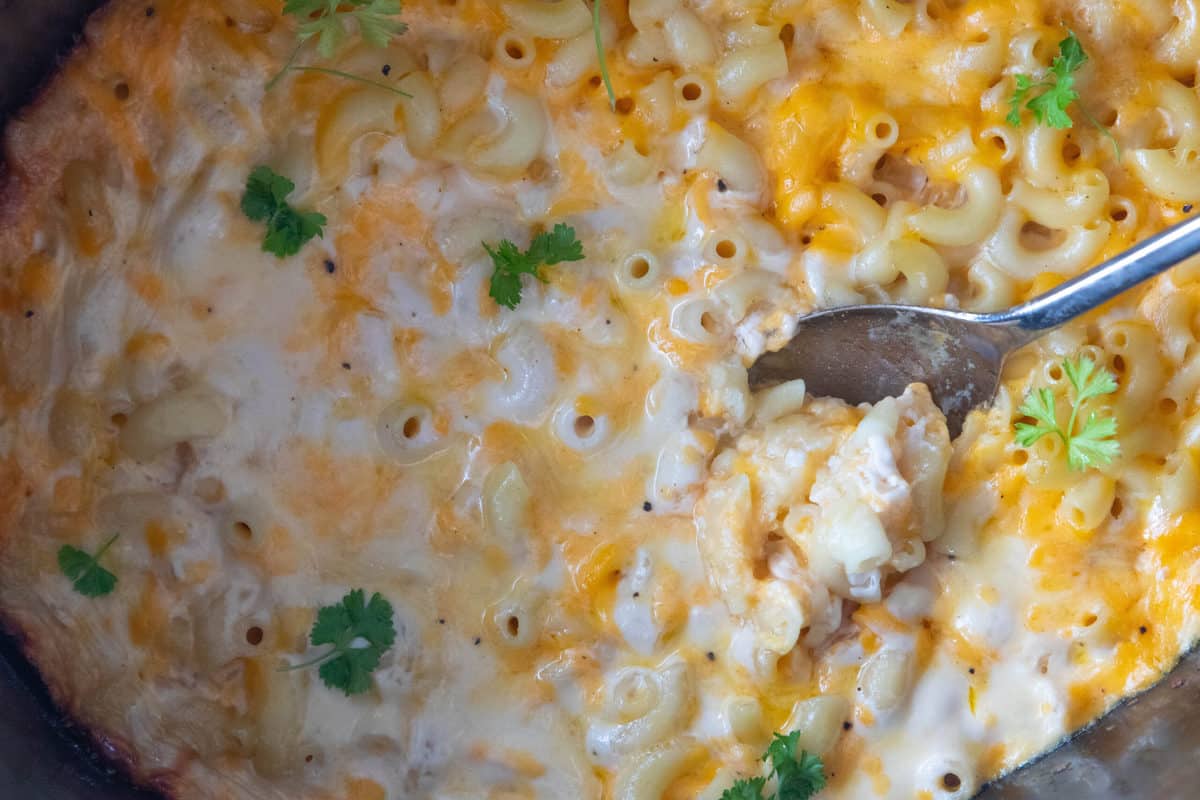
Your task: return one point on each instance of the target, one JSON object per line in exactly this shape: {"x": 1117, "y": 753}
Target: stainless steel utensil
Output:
{"x": 863, "y": 354}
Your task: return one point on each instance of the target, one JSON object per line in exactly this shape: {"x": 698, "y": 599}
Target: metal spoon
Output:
{"x": 863, "y": 354}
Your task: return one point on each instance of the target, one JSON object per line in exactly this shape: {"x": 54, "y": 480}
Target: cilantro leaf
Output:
{"x": 1048, "y": 99}
{"x": 1024, "y": 87}
{"x": 1094, "y": 444}
{"x": 1040, "y": 406}
{"x": 747, "y": 789}
{"x": 556, "y": 246}
{"x": 798, "y": 775}
{"x": 1054, "y": 92}
{"x": 1050, "y": 107}
{"x": 265, "y": 192}
{"x": 87, "y": 576}
{"x": 1087, "y": 380}
{"x": 320, "y": 19}
{"x": 326, "y": 20}
{"x": 1070, "y": 56}
{"x": 377, "y": 23}
{"x": 547, "y": 248}
{"x": 360, "y": 633}
{"x": 265, "y": 200}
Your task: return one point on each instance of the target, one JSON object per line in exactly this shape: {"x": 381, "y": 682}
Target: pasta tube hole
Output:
{"x": 1037, "y": 237}
{"x": 584, "y": 426}
{"x": 210, "y": 489}
{"x": 515, "y": 52}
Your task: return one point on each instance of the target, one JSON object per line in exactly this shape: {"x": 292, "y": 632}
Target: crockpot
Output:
{"x": 1147, "y": 748}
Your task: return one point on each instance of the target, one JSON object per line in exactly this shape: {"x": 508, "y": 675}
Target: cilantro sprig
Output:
{"x": 87, "y": 576}
{"x": 798, "y": 775}
{"x": 360, "y": 632}
{"x": 328, "y": 22}
{"x": 1094, "y": 444}
{"x": 548, "y": 248}
{"x": 265, "y": 200}
{"x": 1049, "y": 98}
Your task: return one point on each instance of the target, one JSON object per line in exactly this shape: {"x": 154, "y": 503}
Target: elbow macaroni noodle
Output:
{"x": 615, "y": 569}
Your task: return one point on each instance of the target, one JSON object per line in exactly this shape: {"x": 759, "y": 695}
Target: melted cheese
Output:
{"x": 523, "y": 485}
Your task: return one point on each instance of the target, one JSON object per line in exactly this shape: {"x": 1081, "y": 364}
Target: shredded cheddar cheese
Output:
{"x": 615, "y": 571}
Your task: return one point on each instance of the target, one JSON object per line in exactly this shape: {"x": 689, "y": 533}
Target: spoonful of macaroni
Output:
{"x": 863, "y": 354}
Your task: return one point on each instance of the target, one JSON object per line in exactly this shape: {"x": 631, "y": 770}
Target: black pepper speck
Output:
{"x": 722, "y": 186}
{"x": 28, "y": 313}
{"x": 646, "y": 506}
{"x": 330, "y": 267}
{"x": 387, "y": 69}
{"x": 345, "y": 365}
{"x": 1187, "y": 209}
{"x": 477, "y": 641}
{"x": 847, "y": 725}
{"x": 710, "y": 655}
{"x": 150, "y": 11}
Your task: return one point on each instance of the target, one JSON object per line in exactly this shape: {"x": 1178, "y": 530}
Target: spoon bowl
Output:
{"x": 863, "y": 354}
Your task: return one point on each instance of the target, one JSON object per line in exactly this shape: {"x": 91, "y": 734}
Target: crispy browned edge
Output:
{"x": 25, "y": 185}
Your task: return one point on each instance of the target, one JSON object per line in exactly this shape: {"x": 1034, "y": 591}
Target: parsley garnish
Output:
{"x": 510, "y": 263}
{"x": 746, "y": 789}
{"x": 612, "y": 95}
{"x": 1048, "y": 99}
{"x": 360, "y": 632}
{"x": 87, "y": 576}
{"x": 266, "y": 200}
{"x": 1094, "y": 445}
{"x": 799, "y": 776}
{"x": 326, "y": 20}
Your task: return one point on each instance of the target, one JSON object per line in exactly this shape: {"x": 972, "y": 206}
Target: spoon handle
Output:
{"x": 1102, "y": 283}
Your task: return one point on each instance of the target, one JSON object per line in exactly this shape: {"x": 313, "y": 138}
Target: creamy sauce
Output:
{"x": 602, "y": 551}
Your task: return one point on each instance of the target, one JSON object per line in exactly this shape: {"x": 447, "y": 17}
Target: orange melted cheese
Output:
{"x": 520, "y": 484}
